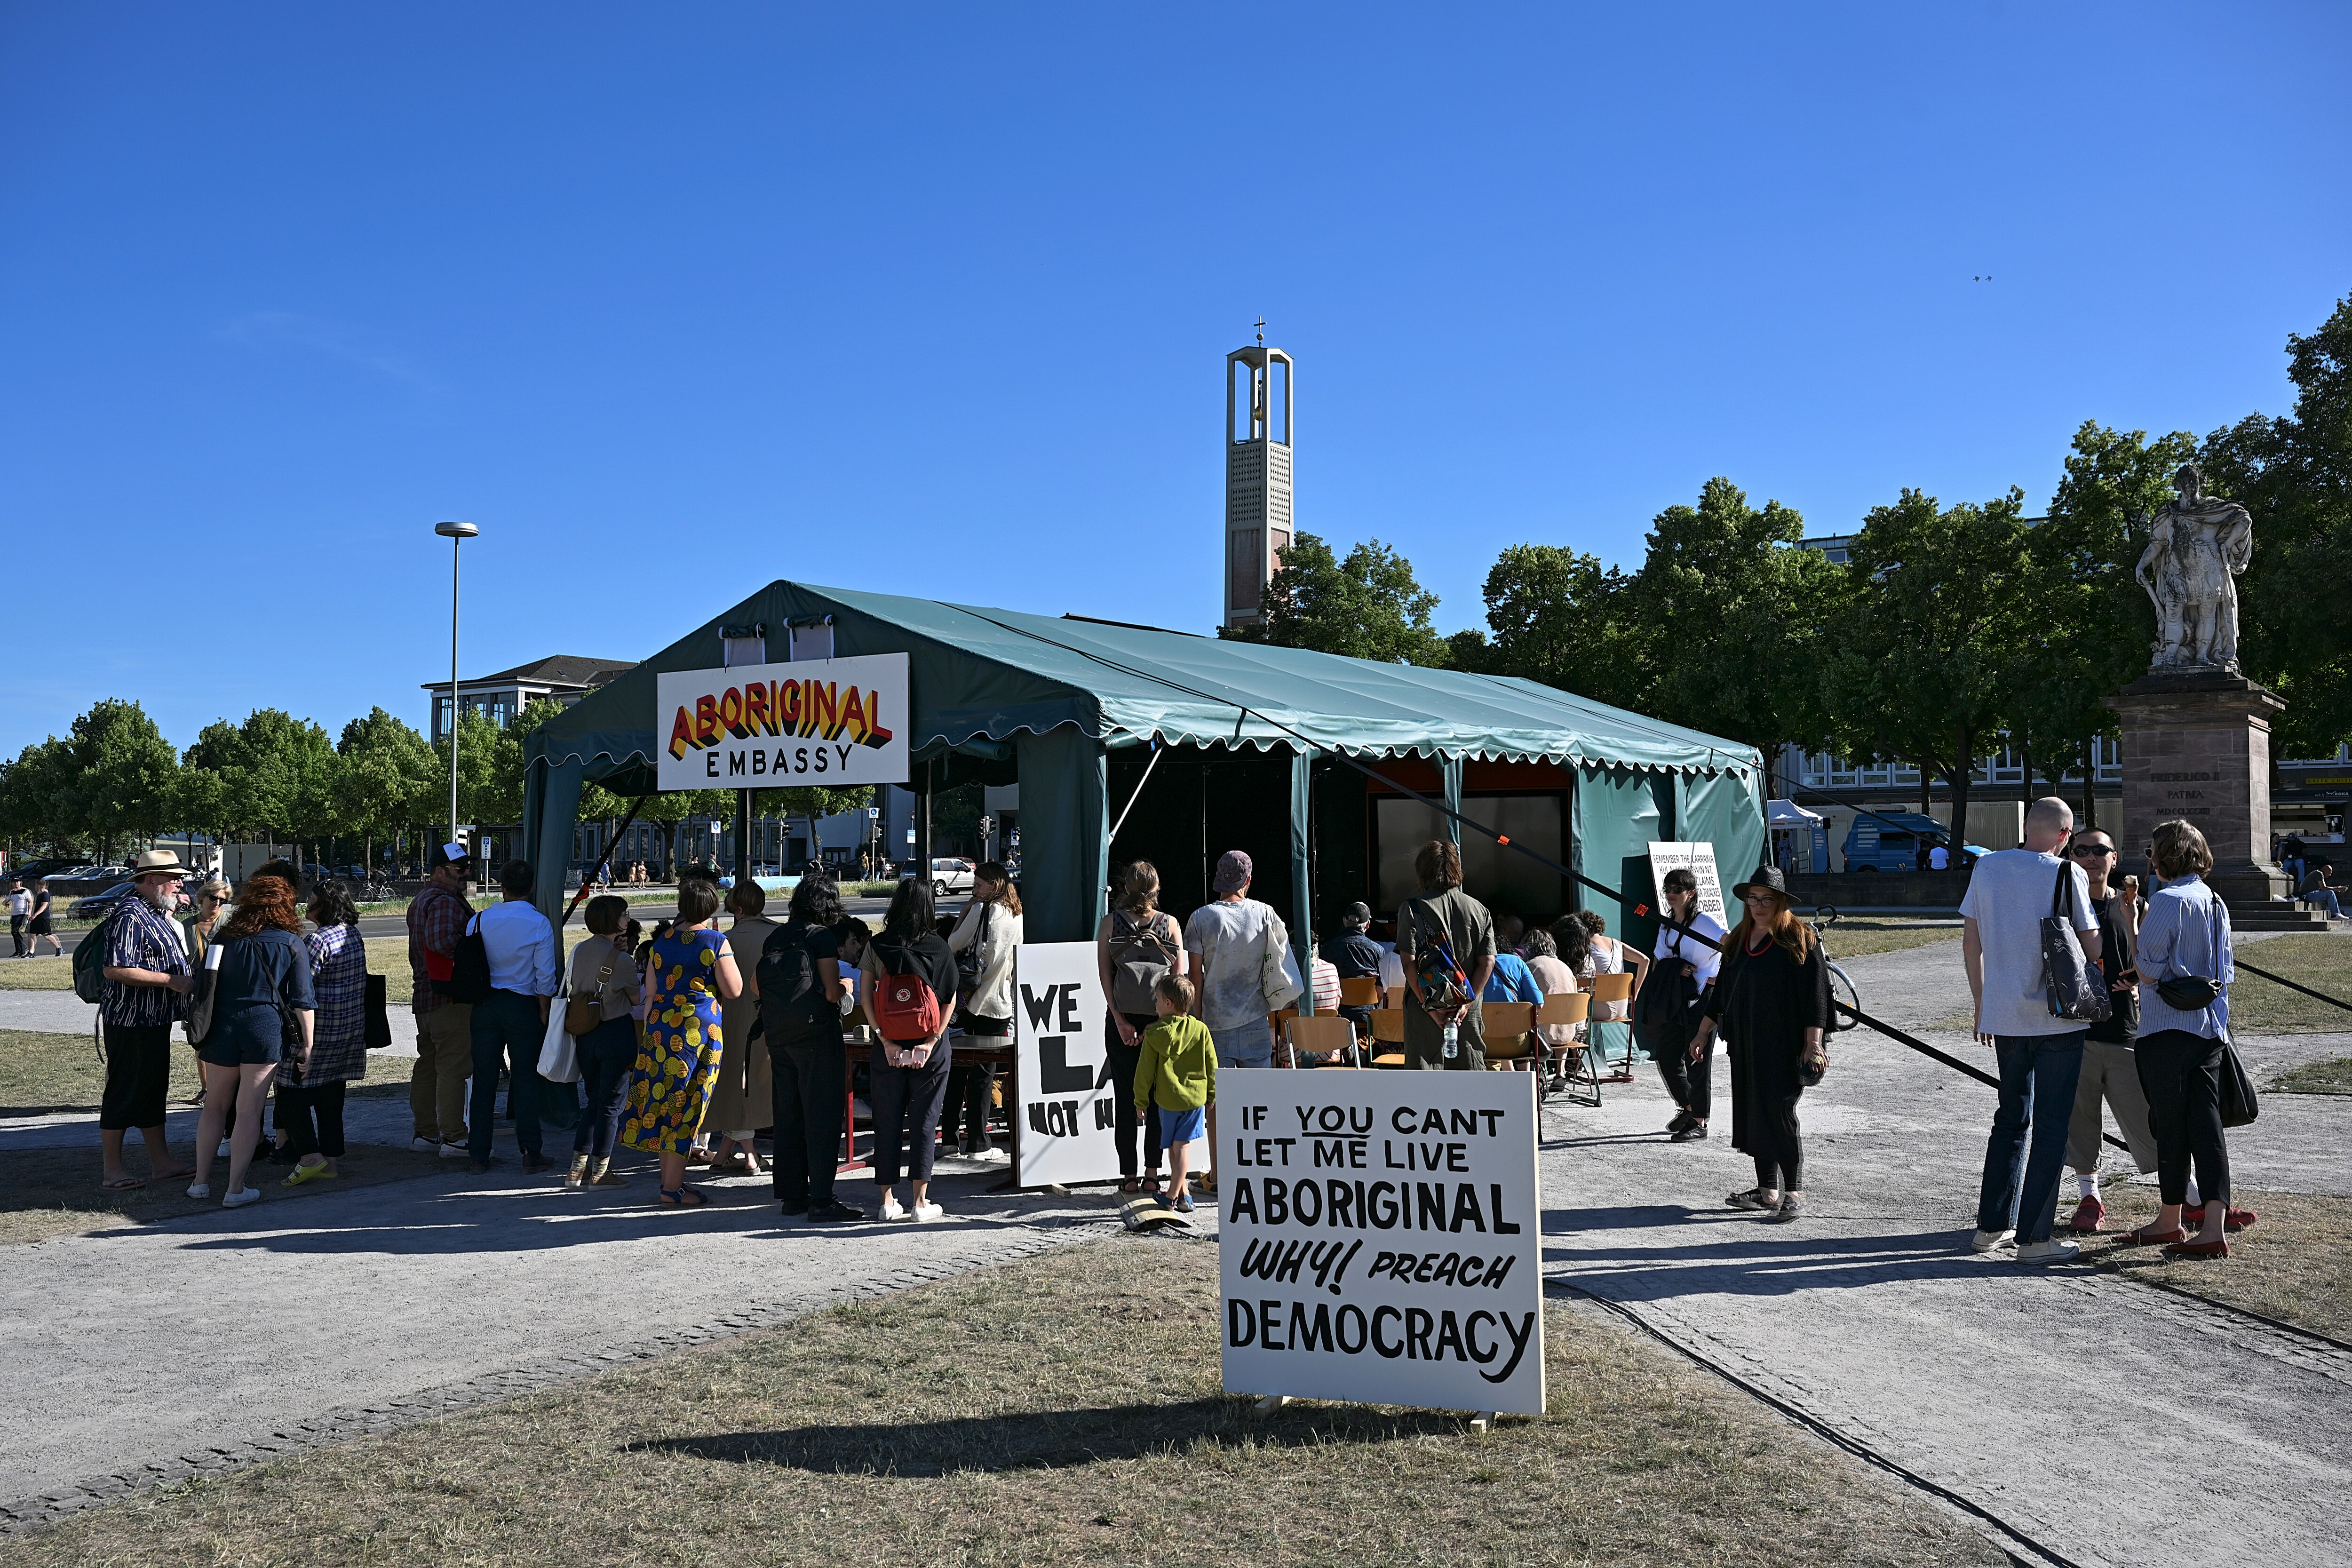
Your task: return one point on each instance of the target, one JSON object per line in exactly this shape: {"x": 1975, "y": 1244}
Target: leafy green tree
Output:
{"x": 35, "y": 789}
{"x": 1921, "y": 670}
{"x": 387, "y": 781}
{"x": 2294, "y": 475}
{"x": 1368, "y": 606}
{"x": 1557, "y": 617}
{"x": 122, "y": 773}
{"x": 489, "y": 772}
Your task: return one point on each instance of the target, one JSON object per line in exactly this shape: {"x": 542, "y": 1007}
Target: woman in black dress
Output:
{"x": 1772, "y": 1002}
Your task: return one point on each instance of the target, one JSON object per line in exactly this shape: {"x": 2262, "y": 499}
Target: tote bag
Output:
{"x": 558, "y": 1063}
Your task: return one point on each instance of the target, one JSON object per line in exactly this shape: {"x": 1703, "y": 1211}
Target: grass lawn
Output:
{"x": 63, "y": 1072}
{"x": 1062, "y": 1409}
{"x": 1855, "y": 936}
{"x": 2331, "y": 1077}
{"x": 2295, "y": 1264}
{"x": 2322, "y": 963}
{"x": 49, "y": 1193}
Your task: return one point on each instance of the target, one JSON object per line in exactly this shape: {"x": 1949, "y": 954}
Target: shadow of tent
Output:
{"x": 1053, "y": 1439}
{"x": 1772, "y": 1265}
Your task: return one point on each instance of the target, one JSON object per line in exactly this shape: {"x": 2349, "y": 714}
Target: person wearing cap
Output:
{"x": 1227, "y": 939}
{"x": 1772, "y": 1000}
{"x": 147, "y": 980}
{"x": 444, "y": 1034}
{"x": 1357, "y": 957}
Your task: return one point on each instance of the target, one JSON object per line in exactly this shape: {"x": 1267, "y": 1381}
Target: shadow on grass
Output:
{"x": 1054, "y": 1440}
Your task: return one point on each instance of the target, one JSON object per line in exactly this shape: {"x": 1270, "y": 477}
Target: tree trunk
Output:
{"x": 1962, "y": 772}
{"x": 2025, "y": 757}
{"x": 2091, "y": 783}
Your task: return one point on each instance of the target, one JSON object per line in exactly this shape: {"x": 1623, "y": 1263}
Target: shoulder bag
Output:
{"x": 2075, "y": 988}
{"x": 583, "y": 1013}
{"x": 2188, "y": 993}
{"x": 469, "y": 967}
{"x": 967, "y": 964}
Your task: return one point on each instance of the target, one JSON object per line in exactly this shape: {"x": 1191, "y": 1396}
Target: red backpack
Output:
{"x": 905, "y": 1004}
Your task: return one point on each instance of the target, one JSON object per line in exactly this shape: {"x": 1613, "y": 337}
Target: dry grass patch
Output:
{"x": 2295, "y": 1264}
{"x": 1856, "y": 935}
{"x": 49, "y": 1193}
{"x": 1063, "y": 1409}
{"x": 43, "y": 1072}
{"x": 2333, "y": 1076}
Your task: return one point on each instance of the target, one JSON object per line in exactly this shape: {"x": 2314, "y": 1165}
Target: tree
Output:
{"x": 1921, "y": 670}
{"x": 1557, "y": 617}
{"x": 387, "y": 780}
{"x": 33, "y": 790}
{"x": 2294, "y": 475}
{"x": 487, "y": 776}
{"x": 122, "y": 772}
{"x": 1366, "y": 606}
{"x": 1728, "y": 614}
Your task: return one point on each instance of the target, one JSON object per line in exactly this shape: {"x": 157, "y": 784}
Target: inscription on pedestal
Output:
{"x": 2197, "y": 746}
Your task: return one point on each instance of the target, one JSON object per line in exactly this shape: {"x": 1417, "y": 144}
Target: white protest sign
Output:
{"x": 1698, "y": 859}
{"x": 832, "y": 721}
{"x": 1380, "y": 1238}
{"x": 1065, "y": 1102}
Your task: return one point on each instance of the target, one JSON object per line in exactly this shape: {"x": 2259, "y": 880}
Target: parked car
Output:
{"x": 1889, "y": 841}
{"x": 951, "y": 875}
{"x": 97, "y": 906}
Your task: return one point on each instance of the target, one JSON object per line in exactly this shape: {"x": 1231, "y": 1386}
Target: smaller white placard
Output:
{"x": 1698, "y": 859}
{"x": 1065, "y": 1104}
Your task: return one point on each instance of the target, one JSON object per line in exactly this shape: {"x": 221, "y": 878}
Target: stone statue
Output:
{"x": 2197, "y": 547}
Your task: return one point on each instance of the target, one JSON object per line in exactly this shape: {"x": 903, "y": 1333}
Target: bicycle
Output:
{"x": 1845, "y": 998}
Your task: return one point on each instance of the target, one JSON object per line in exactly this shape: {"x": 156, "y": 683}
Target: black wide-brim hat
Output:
{"x": 1768, "y": 877}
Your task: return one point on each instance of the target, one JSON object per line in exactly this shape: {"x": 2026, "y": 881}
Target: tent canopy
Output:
{"x": 1058, "y": 693}
{"x": 1788, "y": 814}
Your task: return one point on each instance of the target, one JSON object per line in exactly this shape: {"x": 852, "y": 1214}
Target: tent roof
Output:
{"x": 1788, "y": 813}
{"x": 980, "y": 676}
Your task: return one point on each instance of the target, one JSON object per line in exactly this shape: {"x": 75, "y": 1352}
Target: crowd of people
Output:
{"x": 689, "y": 1039}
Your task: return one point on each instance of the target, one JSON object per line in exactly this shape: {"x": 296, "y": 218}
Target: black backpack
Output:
{"x": 470, "y": 967}
{"x": 792, "y": 995}
{"x": 1662, "y": 1021}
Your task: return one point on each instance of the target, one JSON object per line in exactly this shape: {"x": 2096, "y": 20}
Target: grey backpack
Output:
{"x": 1139, "y": 955}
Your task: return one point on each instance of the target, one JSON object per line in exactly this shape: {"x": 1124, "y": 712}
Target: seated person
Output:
{"x": 1356, "y": 956}
{"x": 2320, "y": 893}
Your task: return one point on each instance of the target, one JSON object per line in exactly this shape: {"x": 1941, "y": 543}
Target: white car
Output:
{"x": 950, "y": 875}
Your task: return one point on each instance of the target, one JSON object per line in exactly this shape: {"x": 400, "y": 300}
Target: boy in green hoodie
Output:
{"x": 1175, "y": 1076}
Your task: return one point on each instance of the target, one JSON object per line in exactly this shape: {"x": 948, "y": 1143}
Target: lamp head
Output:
{"x": 456, "y": 529}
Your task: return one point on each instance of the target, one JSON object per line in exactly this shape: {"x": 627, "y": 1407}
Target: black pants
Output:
{"x": 507, "y": 1028}
{"x": 17, "y": 933}
{"x": 605, "y": 1055}
{"x": 808, "y": 1088}
{"x": 1692, "y": 1083}
{"x": 907, "y": 1102}
{"x": 1123, "y": 1062}
{"x": 311, "y": 1117}
{"x": 2181, "y": 1074}
{"x": 138, "y": 1071}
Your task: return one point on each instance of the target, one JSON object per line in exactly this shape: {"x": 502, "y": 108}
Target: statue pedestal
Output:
{"x": 2197, "y": 745}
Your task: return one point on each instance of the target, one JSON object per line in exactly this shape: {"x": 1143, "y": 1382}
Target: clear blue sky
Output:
{"x": 673, "y": 300}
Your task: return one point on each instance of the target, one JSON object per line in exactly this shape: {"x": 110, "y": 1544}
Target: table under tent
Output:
{"x": 1195, "y": 745}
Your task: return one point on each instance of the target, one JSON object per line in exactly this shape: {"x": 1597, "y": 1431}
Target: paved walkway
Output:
{"x": 2054, "y": 1399}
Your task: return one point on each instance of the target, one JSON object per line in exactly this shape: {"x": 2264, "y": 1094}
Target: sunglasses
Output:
{"x": 2085, "y": 851}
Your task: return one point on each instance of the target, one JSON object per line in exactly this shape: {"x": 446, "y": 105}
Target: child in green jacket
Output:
{"x": 1176, "y": 1075}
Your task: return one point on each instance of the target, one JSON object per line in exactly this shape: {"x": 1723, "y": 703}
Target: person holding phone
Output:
{"x": 2110, "y": 1072}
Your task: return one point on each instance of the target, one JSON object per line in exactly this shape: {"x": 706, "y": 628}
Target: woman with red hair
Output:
{"x": 262, "y": 1012}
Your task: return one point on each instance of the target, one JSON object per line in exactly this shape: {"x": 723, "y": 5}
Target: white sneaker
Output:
{"x": 890, "y": 1209}
{"x": 992, "y": 1156}
{"x": 238, "y": 1200}
{"x": 424, "y": 1146}
{"x": 2048, "y": 1252}
{"x": 926, "y": 1212}
{"x": 1985, "y": 1240}
{"x": 199, "y": 1190}
{"x": 455, "y": 1152}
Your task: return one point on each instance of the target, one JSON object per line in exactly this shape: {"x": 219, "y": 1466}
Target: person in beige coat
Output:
{"x": 745, "y": 1093}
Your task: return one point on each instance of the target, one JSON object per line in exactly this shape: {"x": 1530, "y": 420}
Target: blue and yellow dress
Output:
{"x": 678, "y": 1065}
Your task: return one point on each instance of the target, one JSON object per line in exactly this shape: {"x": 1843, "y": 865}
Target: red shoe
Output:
{"x": 2087, "y": 1215}
{"x": 2233, "y": 1221}
{"x": 2145, "y": 1237}
{"x": 2199, "y": 1249}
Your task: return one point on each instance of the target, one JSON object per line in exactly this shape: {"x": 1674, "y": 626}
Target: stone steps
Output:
{"x": 2276, "y": 917}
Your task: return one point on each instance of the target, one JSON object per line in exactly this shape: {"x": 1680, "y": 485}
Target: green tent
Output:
{"x": 1220, "y": 744}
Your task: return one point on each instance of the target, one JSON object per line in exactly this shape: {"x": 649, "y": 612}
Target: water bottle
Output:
{"x": 1453, "y": 1041}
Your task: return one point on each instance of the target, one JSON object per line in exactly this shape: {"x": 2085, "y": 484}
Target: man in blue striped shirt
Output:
{"x": 147, "y": 983}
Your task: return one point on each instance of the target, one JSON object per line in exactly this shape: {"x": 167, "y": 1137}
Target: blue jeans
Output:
{"x": 507, "y": 1026}
{"x": 605, "y": 1055}
{"x": 2325, "y": 899}
{"x": 2038, "y": 1073}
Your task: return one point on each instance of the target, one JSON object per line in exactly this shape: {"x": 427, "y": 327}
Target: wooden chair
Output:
{"x": 1387, "y": 1030}
{"x": 1364, "y": 991}
{"x": 1326, "y": 1034}
{"x": 1279, "y": 1022}
{"x": 1396, "y": 998}
{"x": 1508, "y": 1026}
{"x": 1572, "y": 1008}
{"x": 1612, "y": 988}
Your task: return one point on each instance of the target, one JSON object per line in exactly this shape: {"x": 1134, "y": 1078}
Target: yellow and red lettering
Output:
{"x": 876, "y": 735}
{"x": 853, "y": 716}
{"x": 755, "y": 709}
{"x": 730, "y": 711}
{"x": 681, "y": 734}
{"x": 826, "y": 720}
{"x": 706, "y": 720}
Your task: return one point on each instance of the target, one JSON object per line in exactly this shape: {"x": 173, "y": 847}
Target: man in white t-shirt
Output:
{"x": 1226, "y": 937}
{"x": 1939, "y": 859}
{"x": 20, "y": 910}
{"x": 2010, "y": 894}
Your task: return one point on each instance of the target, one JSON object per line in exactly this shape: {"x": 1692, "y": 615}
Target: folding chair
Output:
{"x": 1387, "y": 1030}
{"x": 1612, "y": 988}
{"x": 1278, "y": 1024}
{"x": 1326, "y": 1034}
{"x": 1364, "y": 991}
{"x": 1508, "y": 1028}
{"x": 1582, "y": 1080}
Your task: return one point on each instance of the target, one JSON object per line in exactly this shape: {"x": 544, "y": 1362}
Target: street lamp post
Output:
{"x": 455, "y": 534}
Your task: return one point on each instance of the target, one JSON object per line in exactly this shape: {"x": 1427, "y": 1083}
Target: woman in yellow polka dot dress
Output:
{"x": 689, "y": 972}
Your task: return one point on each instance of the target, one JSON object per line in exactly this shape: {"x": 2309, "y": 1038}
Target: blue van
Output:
{"x": 1890, "y": 840}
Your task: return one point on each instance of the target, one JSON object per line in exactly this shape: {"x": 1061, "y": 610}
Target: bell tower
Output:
{"x": 1257, "y": 475}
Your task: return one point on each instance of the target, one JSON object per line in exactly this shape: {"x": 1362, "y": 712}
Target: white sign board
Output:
{"x": 1066, "y": 1103}
{"x": 833, "y": 722}
{"x": 1698, "y": 859}
{"x": 1380, "y": 1238}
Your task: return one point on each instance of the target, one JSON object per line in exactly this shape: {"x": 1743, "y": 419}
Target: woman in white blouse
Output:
{"x": 990, "y": 929}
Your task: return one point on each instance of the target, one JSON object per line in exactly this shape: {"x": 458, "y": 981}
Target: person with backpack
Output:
{"x": 689, "y": 974}
{"x": 438, "y": 918}
{"x": 798, "y": 983}
{"x": 908, "y": 988}
{"x": 1446, "y": 939}
{"x": 1668, "y": 1006}
{"x": 1137, "y": 945}
{"x": 136, "y": 964}
{"x": 983, "y": 942}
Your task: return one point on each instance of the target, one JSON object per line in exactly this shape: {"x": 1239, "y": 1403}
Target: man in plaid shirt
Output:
{"x": 147, "y": 985}
{"x": 445, "y": 1029}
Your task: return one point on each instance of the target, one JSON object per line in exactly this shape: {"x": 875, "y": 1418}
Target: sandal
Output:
{"x": 1153, "y": 1182}
{"x": 1130, "y": 1186}
{"x": 122, "y": 1185}
{"x": 680, "y": 1198}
